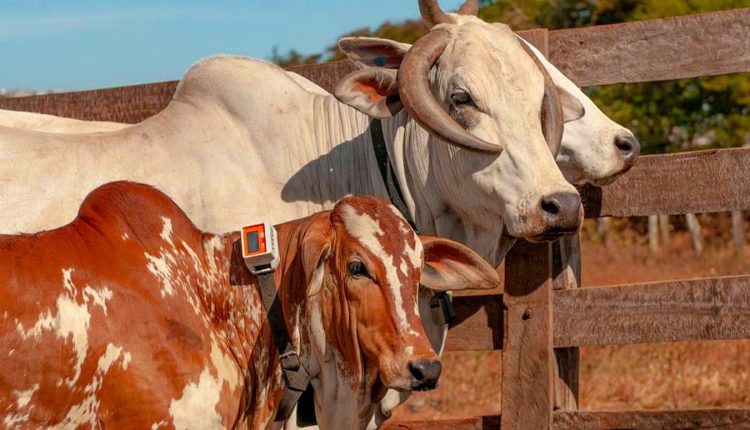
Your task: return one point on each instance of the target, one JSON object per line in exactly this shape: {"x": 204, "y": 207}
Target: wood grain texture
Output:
{"x": 699, "y": 309}
{"x": 654, "y": 420}
{"x": 133, "y": 104}
{"x": 458, "y": 424}
{"x": 566, "y": 272}
{"x": 690, "y": 182}
{"x": 652, "y": 50}
{"x": 130, "y": 104}
{"x": 539, "y": 37}
{"x": 478, "y": 324}
{"x": 717, "y": 419}
{"x": 694, "y": 309}
{"x": 528, "y": 358}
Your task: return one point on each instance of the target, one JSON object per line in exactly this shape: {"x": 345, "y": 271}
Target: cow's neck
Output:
{"x": 434, "y": 200}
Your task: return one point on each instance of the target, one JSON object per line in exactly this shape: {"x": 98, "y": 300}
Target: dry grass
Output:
{"x": 647, "y": 376}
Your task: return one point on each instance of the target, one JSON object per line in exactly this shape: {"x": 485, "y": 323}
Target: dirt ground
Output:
{"x": 645, "y": 376}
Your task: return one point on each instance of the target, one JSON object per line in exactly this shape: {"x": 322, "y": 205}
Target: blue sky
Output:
{"x": 79, "y": 44}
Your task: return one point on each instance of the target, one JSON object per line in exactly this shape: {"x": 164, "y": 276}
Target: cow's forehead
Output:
{"x": 381, "y": 229}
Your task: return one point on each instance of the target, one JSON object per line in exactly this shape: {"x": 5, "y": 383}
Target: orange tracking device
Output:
{"x": 260, "y": 248}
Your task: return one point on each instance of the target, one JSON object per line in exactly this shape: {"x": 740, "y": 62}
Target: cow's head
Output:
{"x": 594, "y": 149}
{"x": 473, "y": 85}
{"x": 363, "y": 267}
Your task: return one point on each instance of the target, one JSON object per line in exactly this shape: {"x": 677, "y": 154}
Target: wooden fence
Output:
{"x": 542, "y": 318}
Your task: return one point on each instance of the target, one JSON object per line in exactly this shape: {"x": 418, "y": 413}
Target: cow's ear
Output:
{"x": 316, "y": 248}
{"x": 374, "y": 52}
{"x": 450, "y": 266}
{"x": 572, "y": 107}
{"x": 372, "y": 91}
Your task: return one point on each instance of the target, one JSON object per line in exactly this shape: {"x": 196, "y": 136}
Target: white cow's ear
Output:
{"x": 572, "y": 107}
{"x": 451, "y": 266}
{"x": 316, "y": 248}
{"x": 374, "y": 52}
{"x": 372, "y": 91}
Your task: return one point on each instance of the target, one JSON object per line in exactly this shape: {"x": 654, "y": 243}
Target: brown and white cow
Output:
{"x": 132, "y": 317}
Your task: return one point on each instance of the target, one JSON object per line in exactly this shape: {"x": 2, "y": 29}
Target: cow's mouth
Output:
{"x": 552, "y": 235}
{"x": 378, "y": 390}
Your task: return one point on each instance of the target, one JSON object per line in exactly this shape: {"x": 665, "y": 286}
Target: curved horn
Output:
{"x": 417, "y": 97}
{"x": 431, "y": 13}
{"x": 471, "y": 7}
{"x": 552, "y": 114}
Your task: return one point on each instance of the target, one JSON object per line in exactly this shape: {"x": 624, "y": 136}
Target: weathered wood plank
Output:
{"x": 695, "y": 309}
{"x": 566, "y": 272}
{"x": 654, "y": 420}
{"x": 132, "y": 104}
{"x": 457, "y": 424}
{"x": 691, "y": 182}
{"x": 735, "y": 419}
{"x": 478, "y": 325}
{"x": 129, "y": 104}
{"x": 652, "y": 50}
{"x": 699, "y": 309}
{"x": 528, "y": 358}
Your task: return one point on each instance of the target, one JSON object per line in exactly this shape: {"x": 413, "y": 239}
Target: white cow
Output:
{"x": 594, "y": 149}
{"x": 240, "y": 132}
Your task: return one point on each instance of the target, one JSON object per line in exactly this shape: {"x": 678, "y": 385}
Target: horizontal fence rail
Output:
{"x": 692, "y": 182}
{"x": 695, "y": 309}
{"x": 735, "y": 419}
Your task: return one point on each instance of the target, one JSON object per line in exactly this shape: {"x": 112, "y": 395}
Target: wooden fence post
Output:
{"x": 566, "y": 272}
{"x": 528, "y": 357}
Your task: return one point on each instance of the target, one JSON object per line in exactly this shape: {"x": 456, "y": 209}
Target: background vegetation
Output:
{"x": 666, "y": 116}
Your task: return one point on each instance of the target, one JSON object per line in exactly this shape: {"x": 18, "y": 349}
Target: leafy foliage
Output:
{"x": 667, "y": 116}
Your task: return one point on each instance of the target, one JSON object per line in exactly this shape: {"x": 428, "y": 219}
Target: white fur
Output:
{"x": 240, "y": 133}
{"x": 197, "y": 406}
{"x": 86, "y": 412}
{"x": 588, "y": 153}
{"x": 71, "y": 319}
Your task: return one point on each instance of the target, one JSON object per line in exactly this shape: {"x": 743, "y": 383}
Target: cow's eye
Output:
{"x": 461, "y": 98}
{"x": 357, "y": 269}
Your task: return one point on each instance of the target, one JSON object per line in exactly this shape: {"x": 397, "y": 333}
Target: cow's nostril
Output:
{"x": 425, "y": 373}
{"x": 630, "y": 148}
{"x": 551, "y": 205}
{"x": 561, "y": 212}
{"x": 623, "y": 144}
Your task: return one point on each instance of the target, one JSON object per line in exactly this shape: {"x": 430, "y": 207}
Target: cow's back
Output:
{"x": 115, "y": 319}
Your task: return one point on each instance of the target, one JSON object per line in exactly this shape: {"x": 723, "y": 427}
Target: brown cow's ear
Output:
{"x": 372, "y": 91}
{"x": 374, "y": 52}
{"x": 450, "y": 266}
{"x": 316, "y": 248}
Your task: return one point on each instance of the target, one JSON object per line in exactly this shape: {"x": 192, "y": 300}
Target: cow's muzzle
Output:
{"x": 424, "y": 374}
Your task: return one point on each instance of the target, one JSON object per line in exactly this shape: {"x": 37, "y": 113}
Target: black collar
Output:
{"x": 386, "y": 172}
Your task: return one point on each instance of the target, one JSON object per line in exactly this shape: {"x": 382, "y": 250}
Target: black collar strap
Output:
{"x": 295, "y": 375}
{"x": 386, "y": 171}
